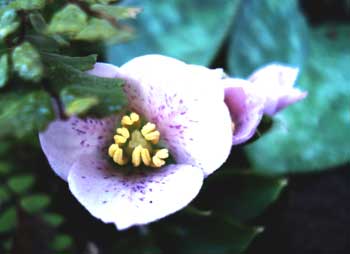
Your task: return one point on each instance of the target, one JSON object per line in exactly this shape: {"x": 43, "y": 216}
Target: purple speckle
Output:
{"x": 104, "y": 202}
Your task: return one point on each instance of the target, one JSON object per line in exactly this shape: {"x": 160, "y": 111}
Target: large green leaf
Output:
{"x": 23, "y": 113}
{"x": 314, "y": 134}
{"x": 188, "y": 30}
{"x": 205, "y": 235}
{"x": 266, "y": 31}
{"x": 242, "y": 195}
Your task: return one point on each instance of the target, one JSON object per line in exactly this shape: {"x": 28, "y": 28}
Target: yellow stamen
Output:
{"x": 135, "y": 144}
{"x": 146, "y": 156}
{"x": 133, "y": 119}
{"x": 122, "y": 136}
{"x": 124, "y": 132}
{"x": 150, "y": 133}
{"x": 117, "y": 154}
{"x": 136, "y": 156}
{"x": 158, "y": 158}
{"x": 233, "y": 127}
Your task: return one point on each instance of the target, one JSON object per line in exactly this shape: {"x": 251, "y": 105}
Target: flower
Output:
{"x": 123, "y": 176}
{"x": 186, "y": 105}
{"x": 267, "y": 91}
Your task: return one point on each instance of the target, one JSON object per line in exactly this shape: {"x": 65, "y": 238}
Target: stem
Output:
{"x": 57, "y": 104}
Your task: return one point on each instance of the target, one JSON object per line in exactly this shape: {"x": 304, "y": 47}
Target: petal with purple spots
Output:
{"x": 133, "y": 199}
{"x": 246, "y": 108}
{"x": 64, "y": 141}
{"x": 186, "y": 102}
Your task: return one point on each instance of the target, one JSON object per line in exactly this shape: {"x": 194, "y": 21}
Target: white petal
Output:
{"x": 64, "y": 141}
{"x": 186, "y": 102}
{"x": 246, "y": 107}
{"x": 104, "y": 70}
{"x": 128, "y": 200}
{"x": 276, "y": 83}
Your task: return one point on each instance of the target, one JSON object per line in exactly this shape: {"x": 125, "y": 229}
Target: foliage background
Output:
{"x": 307, "y": 145}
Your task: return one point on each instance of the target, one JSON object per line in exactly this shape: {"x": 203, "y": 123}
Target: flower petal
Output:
{"x": 137, "y": 199}
{"x": 64, "y": 141}
{"x": 276, "y": 83}
{"x": 246, "y": 108}
{"x": 104, "y": 70}
{"x": 186, "y": 102}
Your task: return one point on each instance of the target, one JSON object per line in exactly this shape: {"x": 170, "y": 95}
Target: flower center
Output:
{"x": 137, "y": 143}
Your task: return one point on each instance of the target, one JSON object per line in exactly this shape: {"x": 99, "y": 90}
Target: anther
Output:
{"x": 122, "y": 136}
{"x": 150, "y": 133}
{"x": 134, "y": 118}
{"x": 158, "y": 158}
{"x": 117, "y": 154}
{"x": 136, "y": 156}
{"x": 146, "y": 156}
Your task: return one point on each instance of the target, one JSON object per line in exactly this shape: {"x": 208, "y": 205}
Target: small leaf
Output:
{"x": 80, "y": 105}
{"x": 35, "y": 203}
{"x": 4, "y": 195}
{"x": 96, "y": 30}
{"x": 69, "y": 20}
{"x": 27, "y": 63}
{"x": 8, "y": 22}
{"x": 117, "y": 12}
{"x": 21, "y": 183}
{"x": 5, "y": 168}
{"x": 8, "y": 220}
{"x": 28, "y": 5}
{"x": 62, "y": 242}
{"x": 24, "y": 113}
{"x": 81, "y": 63}
{"x": 4, "y": 70}
{"x": 38, "y": 22}
{"x": 53, "y": 219}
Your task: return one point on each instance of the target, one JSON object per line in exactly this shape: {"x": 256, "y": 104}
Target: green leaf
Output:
{"x": 83, "y": 63}
{"x": 38, "y": 22}
{"x": 242, "y": 195}
{"x": 192, "y": 31}
{"x": 8, "y": 220}
{"x": 80, "y": 105}
{"x": 53, "y": 219}
{"x": 97, "y": 30}
{"x": 23, "y": 113}
{"x": 263, "y": 33}
{"x": 35, "y": 203}
{"x": 115, "y": 11}
{"x": 73, "y": 83}
{"x": 5, "y": 168}
{"x": 21, "y": 183}
{"x": 70, "y": 20}
{"x": 27, "y": 63}
{"x": 4, "y": 195}
{"x": 4, "y": 70}
{"x": 207, "y": 235}
{"x": 62, "y": 242}
{"x": 314, "y": 134}
{"x": 28, "y": 5}
{"x": 8, "y": 22}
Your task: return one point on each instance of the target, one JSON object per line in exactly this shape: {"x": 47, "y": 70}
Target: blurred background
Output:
{"x": 287, "y": 191}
